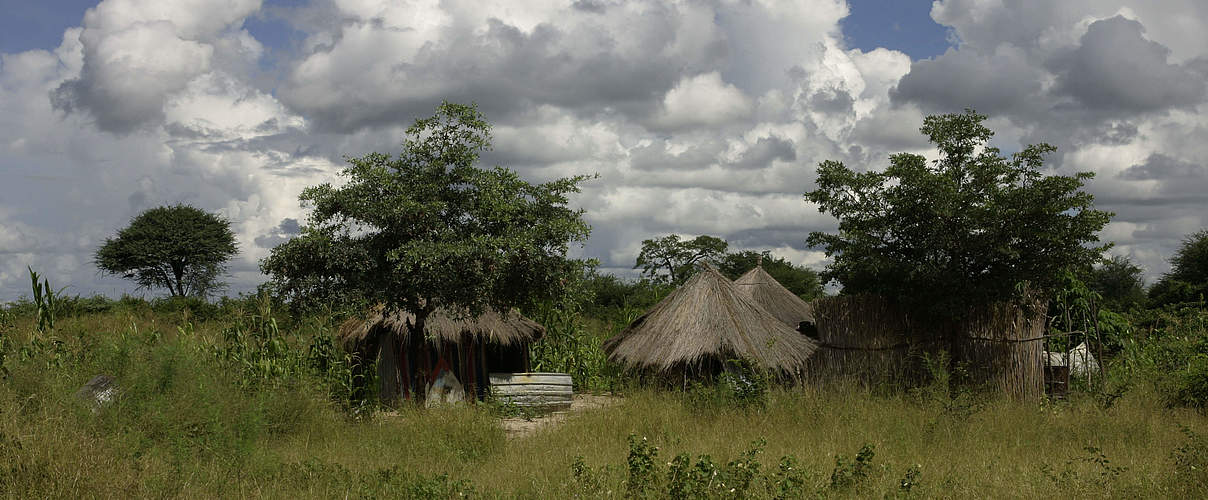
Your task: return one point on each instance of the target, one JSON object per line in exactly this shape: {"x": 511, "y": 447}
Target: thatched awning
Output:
{"x": 709, "y": 318}
{"x": 774, "y": 297}
{"x": 489, "y": 326}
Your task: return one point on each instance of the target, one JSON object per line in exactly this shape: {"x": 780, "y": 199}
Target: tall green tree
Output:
{"x": 430, "y": 228}
{"x": 800, "y": 280}
{"x": 670, "y": 260}
{"x": 1119, "y": 282}
{"x": 181, "y": 248}
{"x": 1187, "y": 280}
{"x": 967, "y": 228}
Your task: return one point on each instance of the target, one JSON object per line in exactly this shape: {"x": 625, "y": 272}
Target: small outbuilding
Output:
{"x": 456, "y": 352}
{"x": 775, "y": 298}
{"x": 704, "y": 323}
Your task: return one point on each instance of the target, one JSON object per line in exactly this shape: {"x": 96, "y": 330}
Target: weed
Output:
{"x": 1191, "y": 464}
{"x": 849, "y": 473}
{"x": 643, "y": 470}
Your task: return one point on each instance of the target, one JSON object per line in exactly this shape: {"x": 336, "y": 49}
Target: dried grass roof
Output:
{"x": 494, "y": 327}
{"x": 709, "y": 317}
{"x": 774, "y": 297}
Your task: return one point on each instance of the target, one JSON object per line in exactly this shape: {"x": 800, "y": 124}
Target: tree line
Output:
{"x": 431, "y": 228}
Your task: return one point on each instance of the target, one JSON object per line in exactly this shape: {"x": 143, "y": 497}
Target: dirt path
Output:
{"x": 517, "y": 427}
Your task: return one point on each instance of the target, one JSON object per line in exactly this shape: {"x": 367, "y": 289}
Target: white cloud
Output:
{"x": 703, "y": 100}
{"x": 699, "y": 117}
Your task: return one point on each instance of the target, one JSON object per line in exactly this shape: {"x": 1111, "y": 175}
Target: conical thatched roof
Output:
{"x": 493, "y": 326}
{"x": 774, "y": 297}
{"x": 709, "y": 317}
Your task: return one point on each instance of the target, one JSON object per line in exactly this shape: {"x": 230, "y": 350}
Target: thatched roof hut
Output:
{"x": 774, "y": 297}
{"x": 707, "y": 320}
{"x": 470, "y": 348}
{"x": 490, "y": 327}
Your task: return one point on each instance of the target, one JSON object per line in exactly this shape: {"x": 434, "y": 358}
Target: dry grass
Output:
{"x": 184, "y": 428}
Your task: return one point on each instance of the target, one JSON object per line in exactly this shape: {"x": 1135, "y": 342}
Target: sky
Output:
{"x": 700, "y": 117}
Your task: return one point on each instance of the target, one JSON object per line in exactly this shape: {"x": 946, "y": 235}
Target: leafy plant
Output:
{"x": 851, "y": 472}
{"x": 959, "y": 231}
{"x": 46, "y": 301}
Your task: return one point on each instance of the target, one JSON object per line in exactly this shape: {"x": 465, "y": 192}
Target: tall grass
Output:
{"x": 202, "y": 412}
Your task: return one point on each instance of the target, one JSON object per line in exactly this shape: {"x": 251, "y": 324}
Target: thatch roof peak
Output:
{"x": 708, "y": 317}
{"x": 774, "y": 297}
{"x": 442, "y": 324}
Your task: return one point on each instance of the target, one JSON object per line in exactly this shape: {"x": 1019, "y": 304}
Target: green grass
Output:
{"x": 188, "y": 425}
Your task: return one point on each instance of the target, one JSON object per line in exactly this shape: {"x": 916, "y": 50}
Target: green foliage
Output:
{"x": 643, "y": 470}
{"x": 567, "y": 347}
{"x": 1191, "y": 386}
{"x": 46, "y": 301}
{"x": 1119, "y": 282}
{"x": 1191, "y": 465}
{"x": 1172, "y": 356}
{"x": 1187, "y": 281}
{"x": 741, "y": 385}
{"x": 965, "y": 229}
{"x": 670, "y": 260}
{"x": 181, "y": 248}
{"x": 1092, "y": 469}
{"x": 430, "y": 228}
{"x": 1077, "y": 316}
{"x": 257, "y": 349}
{"x": 849, "y": 473}
{"x": 800, "y": 280}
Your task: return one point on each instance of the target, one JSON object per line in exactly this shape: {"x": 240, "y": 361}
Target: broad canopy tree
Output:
{"x": 429, "y": 228}
{"x": 181, "y": 248}
{"x": 968, "y": 228}
{"x": 670, "y": 260}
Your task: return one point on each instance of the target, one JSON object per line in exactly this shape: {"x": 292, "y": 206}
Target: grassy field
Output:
{"x": 196, "y": 419}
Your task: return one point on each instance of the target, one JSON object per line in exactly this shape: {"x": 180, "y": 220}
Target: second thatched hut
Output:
{"x": 774, "y": 298}
{"x": 704, "y": 323}
{"x": 468, "y": 347}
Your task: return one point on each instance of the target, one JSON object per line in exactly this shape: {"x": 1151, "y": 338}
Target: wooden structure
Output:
{"x": 867, "y": 339}
{"x": 871, "y": 340}
{"x": 540, "y": 391}
{"x": 469, "y": 347}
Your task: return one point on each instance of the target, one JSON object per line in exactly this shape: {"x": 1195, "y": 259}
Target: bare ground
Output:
{"x": 517, "y": 427}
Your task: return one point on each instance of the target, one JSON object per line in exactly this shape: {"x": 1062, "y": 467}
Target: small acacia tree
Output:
{"x": 968, "y": 228}
{"x": 429, "y": 228}
{"x": 181, "y": 248}
{"x": 670, "y": 259}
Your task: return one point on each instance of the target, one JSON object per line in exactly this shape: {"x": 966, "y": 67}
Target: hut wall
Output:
{"x": 866, "y": 339}
{"x": 1003, "y": 346}
{"x": 388, "y": 368}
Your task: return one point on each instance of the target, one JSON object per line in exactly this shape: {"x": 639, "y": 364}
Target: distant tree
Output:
{"x": 1187, "y": 280}
{"x": 967, "y": 228}
{"x": 430, "y": 228}
{"x": 1119, "y": 282}
{"x": 800, "y": 280}
{"x": 670, "y": 260}
{"x": 181, "y": 248}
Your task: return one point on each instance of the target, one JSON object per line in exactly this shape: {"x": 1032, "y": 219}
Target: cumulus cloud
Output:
{"x": 699, "y": 117}
{"x": 138, "y": 53}
{"x": 1116, "y": 68}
